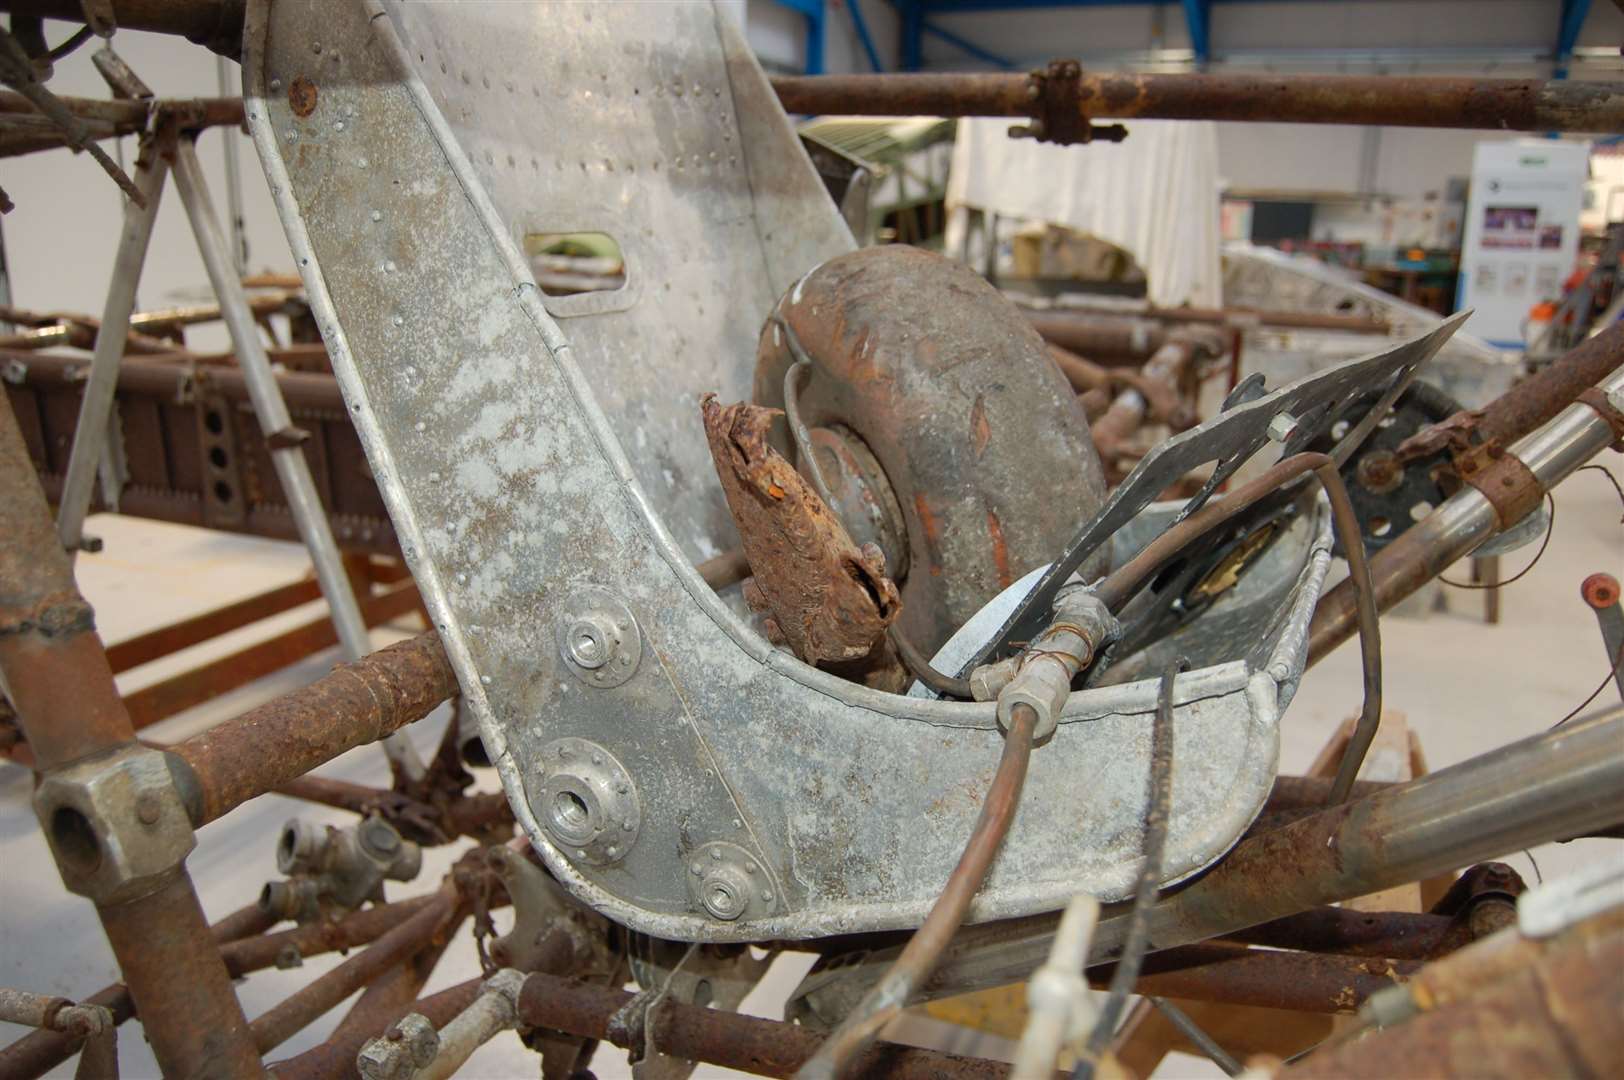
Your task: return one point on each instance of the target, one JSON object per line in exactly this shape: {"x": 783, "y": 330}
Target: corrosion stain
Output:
{"x": 980, "y": 430}
{"x": 302, "y": 96}
{"x": 932, "y": 527}
{"x": 829, "y": 599}
{"x": 1000, "y": 550}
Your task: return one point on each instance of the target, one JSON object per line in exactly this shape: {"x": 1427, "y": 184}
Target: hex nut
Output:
{"x": 115, "y": 823}
{"x": 1282, "y": 426}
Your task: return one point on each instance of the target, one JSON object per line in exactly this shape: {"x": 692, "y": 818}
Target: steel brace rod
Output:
{"x": 292, "y": 468}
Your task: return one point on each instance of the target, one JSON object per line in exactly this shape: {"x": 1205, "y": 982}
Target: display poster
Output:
{"x": 1522, "y": 231}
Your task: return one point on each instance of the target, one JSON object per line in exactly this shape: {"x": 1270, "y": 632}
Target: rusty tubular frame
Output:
{"x": 37, "y": 1053}
{"x": 1553, "y": 1014}
{"x": 1237, "y": 975}
{"x": 1525, "y": 472}
{"x": 291, "y": 1015}
{"x": 748, "y": 1043}
{"x": 1395, "y": 935}
{"x": 1108, "y": 341}
{"x": 1390, "y": 100}
{"x": 62, "y": 687}
{"x": 336, "y": 1057}
{"x": 357, "y": 703}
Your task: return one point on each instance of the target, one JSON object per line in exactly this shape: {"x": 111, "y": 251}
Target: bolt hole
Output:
{"x": 217, "y": 457}
{"x": 214, "y": 422}
{"x": 703, "y": 995}
{"x": 1420, "y": 510}
{"x": 570, "y": 811}
{"x": 222, "y": 491}
{"x": 76, "y": 840}
{"x": 1380, "y": 526}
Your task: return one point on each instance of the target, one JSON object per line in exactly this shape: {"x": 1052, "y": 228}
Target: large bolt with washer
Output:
{"x": 724, "y": 891}
{"x": 592, "y": 640}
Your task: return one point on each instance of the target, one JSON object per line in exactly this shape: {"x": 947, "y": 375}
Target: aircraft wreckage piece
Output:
{"x": 674, "y": 771}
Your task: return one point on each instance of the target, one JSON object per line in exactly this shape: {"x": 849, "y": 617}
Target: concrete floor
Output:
{"x": 1465, "y": 686}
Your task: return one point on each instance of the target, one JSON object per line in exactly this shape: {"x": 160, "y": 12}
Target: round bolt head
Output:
{"x": 722, "y": 897}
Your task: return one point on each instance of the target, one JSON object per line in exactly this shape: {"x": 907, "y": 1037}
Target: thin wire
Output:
{"x": 1611, "y": 479}
{"x": 1150, "y": 874}
{"x": 1612, "y": 673}
{"x": 924, "y": 950}
{"x": 80, "y": 36}
{"x": 1550, "y": 527}
{"x": 1198, "y": 1036}
{"x": 1539, "y": 878}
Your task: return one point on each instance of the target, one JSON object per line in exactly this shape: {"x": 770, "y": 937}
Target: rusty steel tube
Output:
{"x": 283, "y": 1020}
{"x": 36, "y": 1054}
{"x": 1534, "y": 400}
{"x": 335, "y": 1058}
{"x": 1553, "y": 785}
{"x": 251, "y": 954}
{"x": 1111, "y": 341}
{"x": 1268, "y": 978}
{"x": 357, "y": 703}
{"x": 1390, "y": 100}
{"x": 1555, "y": 1015}
{"x": 1396, "y": 935}
{"x": 1169, "y": 369}
{"x": 214, "y": 23}
{"x": 1465, "y": 520}
{"x": 924, "y": 949}
{"x": 747, "y": 1043}
{"x": 61, "y": 685}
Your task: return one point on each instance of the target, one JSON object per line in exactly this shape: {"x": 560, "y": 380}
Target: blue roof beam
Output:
{"x": 815, "y": 13}
{"x": 1567, "y": 33}
{"x": 1198, "y": 17}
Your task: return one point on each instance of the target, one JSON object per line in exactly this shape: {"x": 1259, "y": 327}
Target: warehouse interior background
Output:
{"x": 1387, "y": 205}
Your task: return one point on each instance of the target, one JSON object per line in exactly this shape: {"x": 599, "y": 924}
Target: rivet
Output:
{"x": 627, "y": 826}
{"x": 276, "y": 84}
{"x": 751, "y": 869}
{"x": 579, "y": 854}
{"x": 360, "y": 163}
{"x": 767, "y": 896}
{"x": 697, "y": 869}
{"x": 486, "y": 679}
{"x": 737, "y": 824}
{"x": 377, "y": 215}
{"x": 421, "y": 426}
{"x": 716, "y": 854}
{"x": 434, "y": 478}
{"x": 315, "y": 47}
{"x": 389, "y": 267}
{"x": 462, "y": 579}
{"x": 612, "y": 850}
{"x": 597, "y": 759}
{"x": 338, "y": 125}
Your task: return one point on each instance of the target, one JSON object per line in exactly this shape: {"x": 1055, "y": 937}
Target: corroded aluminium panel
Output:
{"x": 517, "y": 509}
